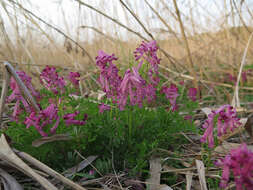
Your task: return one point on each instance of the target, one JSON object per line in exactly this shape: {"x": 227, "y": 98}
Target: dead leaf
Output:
{"x": 226, "y": 147}
{"x": 101, "y": 95}
{"x": 76, "y": 97}
{"x": 240, "y": 110}
{"x": 186, "y": 164}
{"x": 98, "y": 95}
{"x": 4, "y": 92}
{"x": 201, "y": 171}
{"x": 164, "y": 187}
{"x": 71, "y": 171}
{"x": 57, "y": 137}
{"x": 196, "y": 185}
{"x": 197, "y": 122}
{"x": 207, "y": 111}
{"x": 239, "y": 129}
{"x": 249, "y": 125}
{"x": 134, "y": 184}
{"x": 188, "y": 180}
{"x": 8, "y": 138}
{"x": 9, "y": 182}
{"x": 155, "y": 173}
{"x": 230, "y": 186}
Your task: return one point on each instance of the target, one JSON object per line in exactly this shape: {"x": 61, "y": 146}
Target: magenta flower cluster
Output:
{"x": 135, "y": 87}
{"x": 48, "y": 116}
{"x": 109, "y": 78}
{"x": 240, "y": 162}
{"x": 171, "y": 93}
{"x": 103, "y": 107}
{"x": 52, "y": 80}
{"x": 192, "y": 94}
{"x": 148, "y": 52}
{"x": 17, "y": 96}
{"x": 43, "y": 118}
{"x": 132, "y": 86}
{"x": 70, "y": 118}
{"x": 74, "y": 78}
{"x": 226, "y": 121}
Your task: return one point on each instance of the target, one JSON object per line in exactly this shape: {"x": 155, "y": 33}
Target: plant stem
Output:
{"x": 130, "y": 125}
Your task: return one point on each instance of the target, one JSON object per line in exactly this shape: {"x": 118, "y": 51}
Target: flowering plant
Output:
{"x": 226, "y": 121}
{"x": 240, "y": 162}
{"x": 133, "y": 86}
{"x": 49, "y": 116}
{"x": 16, "y": 95}
{"x": 52, "y": 80}
{"x": 131, "y": 121}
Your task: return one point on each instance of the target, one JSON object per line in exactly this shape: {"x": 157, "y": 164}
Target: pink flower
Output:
{"x": 229, "y": 78}
{"x": 91, "y": 172}
{"x": 45, "y": 117}
{"x": 109, "y": 78}
{"x": 52, "y": 80}
{"x": 226, "y": 121}
{"x": 103, "y": 108}
{"x": 244, "y": 76}
{"x": 150, "y": 92}
{"x": 34, "y": 120}
{"x": 171, "y": 93}
{"x": 188, "y": 117}
{"x": 240, "y": 162}
{"x": 192, "y": 93}
{"x": 70, "y": 119}
{"x": 181, "y": 82}
{"x": 209, "y": 126}
{"x": 17, "y": 96}
{"x": 103, "y": 59}
{"x": 134, "y": 86}
{"x": 74, "y": 78}
{"x": 147, "y": 51}
{"x": 27, "y": 80}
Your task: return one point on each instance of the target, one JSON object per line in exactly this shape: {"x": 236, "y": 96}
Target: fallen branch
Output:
{"x": 48, "y": 170}
{"x": 8, "y": 155}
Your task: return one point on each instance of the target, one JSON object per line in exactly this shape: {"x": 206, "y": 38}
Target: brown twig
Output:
{"x": 6, "y": 82}
{"x": 241, "y": 18}
{"x": 188, "y": 77}
{"x": 21, "y": 86}
{"x": 100, "y": 32}
{"x": 186, "y": 44}
{"x": 137, "y": 19}
{"x": 162, "y": 20}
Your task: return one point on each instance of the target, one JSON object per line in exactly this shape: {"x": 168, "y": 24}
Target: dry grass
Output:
{"x": 33, "y": 41}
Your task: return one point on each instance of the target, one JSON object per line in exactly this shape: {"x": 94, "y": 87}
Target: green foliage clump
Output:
{"x": 107, "y": 134}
